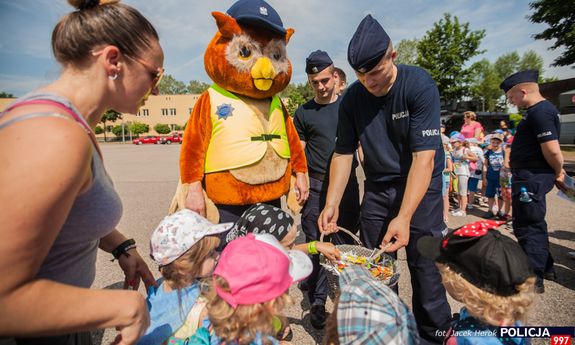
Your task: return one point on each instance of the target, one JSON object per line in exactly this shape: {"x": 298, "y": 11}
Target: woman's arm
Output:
{"x": 38, "y": 191}
{"x": 134, "y": 267}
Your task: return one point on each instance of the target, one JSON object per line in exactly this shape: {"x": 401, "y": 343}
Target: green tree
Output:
{"x": 138, "y": 128}
{"x": 111, "y": 116}
{"x": 6, "y": 95}
{"x": 196, "y": 87}
{"x": 406, "y": 52}
{"x": 485, "y": 85}
{"x": 559, "y": 15}
{"x": 507, "y": 64}
{"x": 514, "y": 119}
{"x": 117, "y": 130}
{"x": 98, "y": 130}
{"x": 170, "y": 86}
{"x": 297, "y": 94}
{"x": 532, "y": 60}
{"x": 444, "y": 51}
{"x": 162, "y": 128}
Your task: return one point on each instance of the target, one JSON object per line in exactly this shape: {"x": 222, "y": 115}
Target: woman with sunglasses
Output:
{"x": 58, "y": 203}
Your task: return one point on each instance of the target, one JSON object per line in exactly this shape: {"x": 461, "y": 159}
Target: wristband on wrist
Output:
{"x": 122, "y": 249}
{"x": 311, "y": 247}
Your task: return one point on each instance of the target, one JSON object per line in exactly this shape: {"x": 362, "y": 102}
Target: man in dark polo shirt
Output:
{"x": 536, "y": 164}
{"x": 393, "y": 111}
{"x": 316, "y": 124}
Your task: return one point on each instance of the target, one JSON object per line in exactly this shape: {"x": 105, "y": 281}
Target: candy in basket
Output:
{"x": 381, "y": 266}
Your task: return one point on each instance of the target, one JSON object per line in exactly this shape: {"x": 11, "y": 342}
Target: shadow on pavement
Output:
{"x": 563, "y": 235}
{"x": 564, "y": 265}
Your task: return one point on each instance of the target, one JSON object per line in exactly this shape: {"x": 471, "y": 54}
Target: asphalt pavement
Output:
{"x": 146, "y": 177}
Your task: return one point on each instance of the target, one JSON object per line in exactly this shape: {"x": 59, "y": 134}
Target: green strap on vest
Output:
{"x": 266, "y": 137}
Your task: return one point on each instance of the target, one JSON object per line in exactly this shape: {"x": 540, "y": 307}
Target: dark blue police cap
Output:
{"x": 257, "y": 12}
{"x": 367, "y": 46}
{"x": 530, "y": 76}
{"x": 317, "y": 62}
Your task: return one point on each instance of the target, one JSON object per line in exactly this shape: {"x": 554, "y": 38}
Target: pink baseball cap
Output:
{"x": 258, "y": 269}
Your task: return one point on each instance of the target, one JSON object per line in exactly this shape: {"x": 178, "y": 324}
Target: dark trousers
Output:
{"x": 231, "y": 213}
{"x": 529, "y": 224}
{"x": 348, "y": 218}
{"x": 380, "y": 205}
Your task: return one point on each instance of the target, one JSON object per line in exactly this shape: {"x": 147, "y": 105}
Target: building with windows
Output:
{"x": 172, "y": 110}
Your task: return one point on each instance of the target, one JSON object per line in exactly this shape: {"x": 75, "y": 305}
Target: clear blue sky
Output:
{"x": 186, "y": 27}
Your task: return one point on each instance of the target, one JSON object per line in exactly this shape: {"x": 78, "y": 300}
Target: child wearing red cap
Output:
{"x": 490, "y": 274}
{"x": 250, "y": 288}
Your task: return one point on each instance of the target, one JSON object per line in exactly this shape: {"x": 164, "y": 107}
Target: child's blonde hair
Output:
{"x": 485, "y": 306}
{"x": 184, "y": 270}
{"x": 243, "y": 323}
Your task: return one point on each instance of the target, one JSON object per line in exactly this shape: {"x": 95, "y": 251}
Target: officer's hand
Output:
{"x": 327, "y": 220}
{"x": 560, "y": 182}
{"x": 195, "y": 199}
{"x": 302, "y": 188}
{"x": 397, "y": 235}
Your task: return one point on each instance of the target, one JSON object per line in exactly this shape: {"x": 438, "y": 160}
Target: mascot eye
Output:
{"x": 245, "y": 52}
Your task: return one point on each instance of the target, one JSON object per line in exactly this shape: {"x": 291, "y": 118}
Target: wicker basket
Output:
{"x": 358, "y": 250}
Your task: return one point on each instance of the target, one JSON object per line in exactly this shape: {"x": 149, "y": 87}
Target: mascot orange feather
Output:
{"x": 240, "y": 146}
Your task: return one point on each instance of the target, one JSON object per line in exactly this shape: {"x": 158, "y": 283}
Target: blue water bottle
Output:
{"x": 524, "y": 195}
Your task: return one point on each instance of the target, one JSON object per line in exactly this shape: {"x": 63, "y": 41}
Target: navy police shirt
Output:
{"x": 316, "y": 124}
{"x": 540, "y": 124}
{"x": 391, "y": 127}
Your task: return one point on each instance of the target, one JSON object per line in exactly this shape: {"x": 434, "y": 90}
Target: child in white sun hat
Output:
{"x": 184, "y": 246}
{"x": 250, "y": 288}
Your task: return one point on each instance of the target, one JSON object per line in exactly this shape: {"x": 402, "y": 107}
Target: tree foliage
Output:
{"x": 443, "y": 52}
{"x": 297, "y": 94}
{"x": 407, "y": 52}
{"x": 507, "y": 64}
{"x": 485, "y": 85}
{"x": 98, "y": 130}
{"x": 196, "y": 87}
{"x": 117, "y": 130}
{"x": 162, "y": 128}
{"x": 138, "y": 128}
{"x": 6, "y": 95}
{"x": 171, "y": 86}
{"x": 559, "y": 15}
{"x": 110, "y": 116}
{"x": 532, "y": 60}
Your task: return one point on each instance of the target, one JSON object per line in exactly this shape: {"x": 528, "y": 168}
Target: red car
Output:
{"x": 174, "y": 138}
{"x": 149, "y": 139}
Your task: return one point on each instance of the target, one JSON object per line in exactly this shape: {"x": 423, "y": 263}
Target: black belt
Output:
{"x": 529, "y": 165}
{"x": 316, "y": 175}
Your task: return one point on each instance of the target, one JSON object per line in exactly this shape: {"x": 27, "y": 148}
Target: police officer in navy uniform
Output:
{"x": 536, "y": 164}
{"x": 316, "y": 124}
{"x": 394, "y": 112}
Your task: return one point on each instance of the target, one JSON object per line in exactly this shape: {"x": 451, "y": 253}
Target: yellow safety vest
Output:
{"x": 238, "y": 137}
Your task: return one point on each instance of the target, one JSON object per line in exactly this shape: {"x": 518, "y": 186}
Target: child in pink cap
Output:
{"x": 250, "y": 288}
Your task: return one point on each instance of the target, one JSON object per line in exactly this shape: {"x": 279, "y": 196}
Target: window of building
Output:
{"x": 144, "y": 112}
{"x": 164, "y": 112}
{"x": 173, "y": 111}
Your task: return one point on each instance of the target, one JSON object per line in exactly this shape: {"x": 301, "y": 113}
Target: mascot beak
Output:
{"x": 263, "y": 74}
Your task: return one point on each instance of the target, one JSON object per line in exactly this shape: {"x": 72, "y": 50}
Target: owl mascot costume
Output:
{"x": 240, "y": 146}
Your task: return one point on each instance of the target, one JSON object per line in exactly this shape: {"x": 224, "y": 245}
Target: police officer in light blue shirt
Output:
{"x": 536, "y": 164}
{"x": 393, "y": 111}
